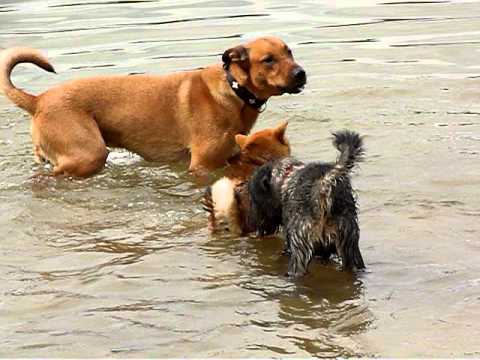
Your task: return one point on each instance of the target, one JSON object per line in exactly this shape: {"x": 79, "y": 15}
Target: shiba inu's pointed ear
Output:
{"x": 280, "y": 132}
{"x": 241, "y": 140}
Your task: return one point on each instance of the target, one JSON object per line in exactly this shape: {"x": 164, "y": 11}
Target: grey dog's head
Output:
{"x": 265, "y": 213}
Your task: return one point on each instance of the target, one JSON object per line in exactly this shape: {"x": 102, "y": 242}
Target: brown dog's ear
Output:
{"x": 241, "y": 140}
{"x": 280, "y": 132}
{"x": 238, "y": 54}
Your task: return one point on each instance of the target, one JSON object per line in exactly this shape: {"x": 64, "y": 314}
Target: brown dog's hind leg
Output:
{"x": 38, "y": 154}
{"x": 80, "y": 166}
{"x": 72, "y": 142}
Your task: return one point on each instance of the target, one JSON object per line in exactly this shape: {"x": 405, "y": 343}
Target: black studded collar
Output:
{"x": 244, "y": 94}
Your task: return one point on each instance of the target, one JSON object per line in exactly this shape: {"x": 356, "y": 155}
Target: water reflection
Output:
{"x": 318, "y": 313}
{"x": 122, "y": 263}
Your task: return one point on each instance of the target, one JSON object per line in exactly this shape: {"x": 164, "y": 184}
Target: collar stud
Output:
{"x": 244, "y": 94}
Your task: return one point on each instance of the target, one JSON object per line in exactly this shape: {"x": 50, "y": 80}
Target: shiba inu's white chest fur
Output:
{"x": 225, "y": 207}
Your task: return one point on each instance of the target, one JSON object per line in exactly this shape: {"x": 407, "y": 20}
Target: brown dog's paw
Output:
{"x": 201, "y": 176}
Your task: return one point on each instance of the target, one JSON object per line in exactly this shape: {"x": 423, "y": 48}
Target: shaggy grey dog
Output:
{"x": 314, "y": 204}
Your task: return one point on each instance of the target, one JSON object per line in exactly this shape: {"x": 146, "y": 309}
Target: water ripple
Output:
{"x": 122, "y": 263}
{"x": 86, "y": 4}
{"x": 132, "y": 24}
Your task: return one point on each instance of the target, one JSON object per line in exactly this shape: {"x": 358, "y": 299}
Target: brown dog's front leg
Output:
{"x": 200, "y": 171}
{"x": 208, "y": 156}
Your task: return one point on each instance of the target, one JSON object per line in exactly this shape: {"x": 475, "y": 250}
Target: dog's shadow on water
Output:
{"x": 325, "y": 300}
{"x": 324, "y": 277}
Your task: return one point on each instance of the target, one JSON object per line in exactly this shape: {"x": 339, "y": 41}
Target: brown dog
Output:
{"x": 159, "y": 117}
{"x": 227, "y": 199}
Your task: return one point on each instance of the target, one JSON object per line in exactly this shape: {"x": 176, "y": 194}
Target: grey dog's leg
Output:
{"x": 347, "y": 245}
{"x": 301, "y": 253}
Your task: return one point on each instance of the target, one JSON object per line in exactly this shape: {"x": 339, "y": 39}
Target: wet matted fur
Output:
{"x": 314, "y": 204}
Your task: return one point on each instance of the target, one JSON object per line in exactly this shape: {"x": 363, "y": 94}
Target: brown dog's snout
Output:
{"x": 298, "y": 79}
{"x": 300, "y": 76}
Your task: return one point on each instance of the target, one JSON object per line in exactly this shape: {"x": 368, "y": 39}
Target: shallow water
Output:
{"x": 122, "y": 265}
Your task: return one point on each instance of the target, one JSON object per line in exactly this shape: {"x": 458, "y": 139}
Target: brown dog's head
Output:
{"x": 264, "y": 145}
{"x": 266, "y": 67}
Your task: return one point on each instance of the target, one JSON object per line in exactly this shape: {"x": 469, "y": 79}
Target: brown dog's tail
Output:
{"x": 8, "y": 59}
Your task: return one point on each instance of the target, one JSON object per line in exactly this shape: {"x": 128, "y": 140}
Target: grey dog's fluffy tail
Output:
{"x": 350, "y": 145}
{"x": 351, "y": 149}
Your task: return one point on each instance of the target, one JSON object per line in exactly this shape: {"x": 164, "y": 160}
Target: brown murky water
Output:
{"x": 121, "y": 265}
